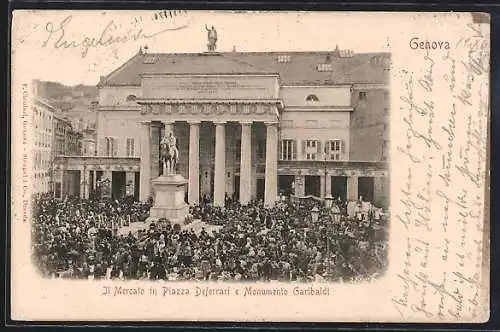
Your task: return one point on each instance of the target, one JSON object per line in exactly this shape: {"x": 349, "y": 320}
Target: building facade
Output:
{"x": 43, "y": 133}
{"x": 62, "y": 127}
{"x": 250, "y": 126}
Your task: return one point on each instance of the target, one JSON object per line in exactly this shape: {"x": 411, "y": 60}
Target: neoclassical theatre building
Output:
{"x": 250, "y": 126}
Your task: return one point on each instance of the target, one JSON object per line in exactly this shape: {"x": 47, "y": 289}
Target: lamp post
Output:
{"x": 324, "y": 166}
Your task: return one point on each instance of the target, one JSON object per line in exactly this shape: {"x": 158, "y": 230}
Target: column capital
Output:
{"x": 271, "y": 123}
{"x": 219, "y": 122}
{"x": 194, "y": 122}
{"x": 246, "y": 123}
{"x": 168, "y": 122}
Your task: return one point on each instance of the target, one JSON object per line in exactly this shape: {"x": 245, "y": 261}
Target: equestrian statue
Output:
{"x": 169, "y": 154}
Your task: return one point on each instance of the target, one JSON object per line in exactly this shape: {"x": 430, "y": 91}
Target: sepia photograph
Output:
{"x": 306, "y": 163}
{"x": 215, "y": 166}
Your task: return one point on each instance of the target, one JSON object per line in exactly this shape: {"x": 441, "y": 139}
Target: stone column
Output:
{"x": 246, "y": 163}
{"x": 271, "y": 186}
{"x": 87, "y": 184}
{"x": 94, "y": 180}
{"x": 299, "y": 185}
{"x": 155, "y": 150}
{"x": 328, "y": 179}
{"x": 145, "y": 171}
{"x": 352, "y": 188}
{"x": 82, "y": 183}
{"x": 220, "y": 163}
{"x": 322, "y": 184}
{"x": 194, "y": 163}
{"x": 62, "y": 193}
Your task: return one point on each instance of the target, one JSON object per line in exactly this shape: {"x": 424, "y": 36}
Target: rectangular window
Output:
{"x": 386, "y": 95}
{"x": 324, "y": 67}
{"x": 288, "y": 149}
{"x": 110, "y": 148}
{"x": 284, "y": 58}
{"x": 335, "y": 149}
{"x": 130, "y": 147}
{"x": 362, "y": 95}
{"x": 311, "y": 149}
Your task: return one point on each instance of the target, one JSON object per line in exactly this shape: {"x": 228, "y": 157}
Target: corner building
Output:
{"x": 250, "y": 126}
{"x": 43, "y": 133}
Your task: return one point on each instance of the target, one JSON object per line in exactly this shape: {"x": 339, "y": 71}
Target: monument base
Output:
{"x": 169, "y": 199}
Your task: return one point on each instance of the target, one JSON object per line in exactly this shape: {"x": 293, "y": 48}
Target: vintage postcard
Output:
{"x": 250, "y": 166}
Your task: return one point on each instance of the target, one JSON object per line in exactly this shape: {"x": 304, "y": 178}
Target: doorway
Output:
{"x": 339, "y": 187}
{"x": 236, "y": 194}
{"x": 312, "y": 185}
{"x": 365, "y": 188}
{"x": 118, "y": 185}
{"x": 285, "y": 184}
{"x": 261, "y": 189}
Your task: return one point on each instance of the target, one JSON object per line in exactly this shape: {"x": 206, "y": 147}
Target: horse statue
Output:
{"x": 169, "y": 154}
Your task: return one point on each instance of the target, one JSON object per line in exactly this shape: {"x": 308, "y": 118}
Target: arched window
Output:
{"x": 312, "y": 98}
{"x": 131, "y": 98}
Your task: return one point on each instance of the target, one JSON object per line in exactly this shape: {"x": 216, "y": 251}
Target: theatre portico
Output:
{"x": 249, "y": 126}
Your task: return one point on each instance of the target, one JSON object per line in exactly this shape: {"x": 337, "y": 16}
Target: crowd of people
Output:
{"x": 75, "y": 238}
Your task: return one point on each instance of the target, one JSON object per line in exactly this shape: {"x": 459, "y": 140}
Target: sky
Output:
{"x": 44, "y": 33}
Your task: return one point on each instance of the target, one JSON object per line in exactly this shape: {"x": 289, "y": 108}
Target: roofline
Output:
{"x": 141, "y": 101}
{"x": 117, "y": 70}
{"x": 209, "y": 74}
{"x": 46, "y": 103}
{"x": 264, "y": 52}
{"x": 319, "y": 108}
{"x": 326, "y": 85}
{"x": 380, "y": 85}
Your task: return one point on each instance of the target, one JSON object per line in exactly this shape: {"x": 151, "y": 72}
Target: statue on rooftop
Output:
{"x": 212, "y": 38}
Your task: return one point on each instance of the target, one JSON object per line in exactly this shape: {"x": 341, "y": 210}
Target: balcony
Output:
{"x": 332, "y": 167}
{"x": 97, "y": 163}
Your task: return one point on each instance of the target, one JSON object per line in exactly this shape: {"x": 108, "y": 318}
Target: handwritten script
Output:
{"x": 440, "y": 204}
{"x": 57, "y": 35}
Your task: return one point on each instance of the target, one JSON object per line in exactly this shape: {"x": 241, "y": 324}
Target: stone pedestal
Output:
{"x": 169, "y": 199}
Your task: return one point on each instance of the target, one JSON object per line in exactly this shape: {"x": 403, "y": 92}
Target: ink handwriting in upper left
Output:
{"x": 57, "y": 36}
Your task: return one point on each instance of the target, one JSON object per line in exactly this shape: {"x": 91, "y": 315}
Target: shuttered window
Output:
{"x": 288, "y": 149}
{"x": 335, "y": 150}
{"x": 130, "y": 147}
{"x": 311, "y": 149}
{"x": 110, "y": 146}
